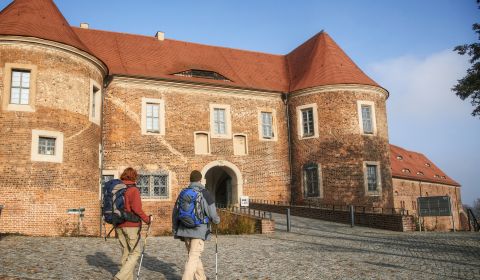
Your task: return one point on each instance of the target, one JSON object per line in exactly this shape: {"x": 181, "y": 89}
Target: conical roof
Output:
{"x": 320, "y": 61}
{"x": 40, "y": 19}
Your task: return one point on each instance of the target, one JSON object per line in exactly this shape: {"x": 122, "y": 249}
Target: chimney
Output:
{"x": 160, "y": 36}
{"x": 84, "y": 25}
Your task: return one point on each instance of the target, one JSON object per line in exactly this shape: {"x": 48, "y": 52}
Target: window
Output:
{"x": 240, "y": 145}
{"x": 307, "y": 121}
{"x": 202, "y": 143}
{"x": 153, "y": 186}
{"x": 95, "y": 102}
{"x": 205, "y": 74}
{"x": 267, "y": 125}
{"x": 19, "y": 86}
{"x": 47, "y": 146}
{"x": 153, "y": 116}
{"x": 366, "y": 117}
{"x": 372, "y": 178}
{"x": 406, "y": 170}
{"x": 311, "y": 180}
{"x": 399, "y": 157}
{"x": 20, "y": 89}
{"x": 220, "y": 122}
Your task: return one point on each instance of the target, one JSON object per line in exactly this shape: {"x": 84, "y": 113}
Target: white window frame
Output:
{"x": 169, "y": 186}
{"x": 320, "y": 181}
{"x": 274, "y": 125}
{"x": 161, "y": 121}
{"x": 360, "y": 117}
{"x": 228, "y": 121}
{"x": 57, "y": 157}
{"x": 7, "y": 87}
{"x": 195, "y": 145}
{"x": 378, "y": 192}
{"x": 235, "y": 153}
{"x": 299, "y": 109}
{"x": 94, "y": 116}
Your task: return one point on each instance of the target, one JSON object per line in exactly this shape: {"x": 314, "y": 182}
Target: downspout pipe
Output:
{"x": 285, "y": 102}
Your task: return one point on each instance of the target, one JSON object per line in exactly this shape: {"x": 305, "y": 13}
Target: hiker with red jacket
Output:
{"x": 128, "y": 232}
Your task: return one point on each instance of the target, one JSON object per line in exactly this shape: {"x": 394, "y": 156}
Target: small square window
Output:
{"x": 46, "y": 146}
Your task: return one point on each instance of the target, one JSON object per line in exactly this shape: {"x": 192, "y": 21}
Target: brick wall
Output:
{"x": 36, "y": 195}
{"x": 374, "y": 220}
{"x": 341, "y": 149}
{"x": 406, "y": 193}
{"x": 264, "y": 170}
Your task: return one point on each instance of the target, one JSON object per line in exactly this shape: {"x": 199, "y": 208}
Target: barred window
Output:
{"x": 20, "y": 88}
{"x": 367, "y": 119}
{"x": 372, "y": 177}
{"x": 307, "y": 122}
{"x": 153, "y": 186}
{"x": 267, "y": 125}
{"x": 311, "y": 182}
{"x": 46, "y": 146}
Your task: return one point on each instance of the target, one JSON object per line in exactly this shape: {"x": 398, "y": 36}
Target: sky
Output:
{"x": 405, "y": 46}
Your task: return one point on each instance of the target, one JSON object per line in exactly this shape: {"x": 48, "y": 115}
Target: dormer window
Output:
{"x": 419, "y": 173}
{"x": 399, "y": 157}
{"x": 427, "y": 164}
{"x": 204, "y": 74}
{"x": 436, "y": 176}
{"x": 406, "y": 170}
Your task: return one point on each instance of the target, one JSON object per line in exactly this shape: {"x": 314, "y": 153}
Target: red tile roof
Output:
{"x": 415, "y": 166}
{"x": 40, "y": 19}
{"x": 319, "y": 61}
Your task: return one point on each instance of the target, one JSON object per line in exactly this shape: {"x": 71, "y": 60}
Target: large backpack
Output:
{"x": 113, "y": 209}
{"x": 190, "y": 210}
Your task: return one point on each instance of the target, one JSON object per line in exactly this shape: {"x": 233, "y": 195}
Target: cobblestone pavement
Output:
{"x": 314, "y": 250}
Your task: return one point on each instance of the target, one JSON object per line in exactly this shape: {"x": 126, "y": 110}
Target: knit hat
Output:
{"x": 195, "y": 176}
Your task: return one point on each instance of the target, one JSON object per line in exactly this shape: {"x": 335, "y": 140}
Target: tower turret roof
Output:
{"x": 40, "y": 19}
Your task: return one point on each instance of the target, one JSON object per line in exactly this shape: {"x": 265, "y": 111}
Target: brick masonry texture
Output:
{"x": 341, "y": 149}
{"x": 36, "y": 195}
{"x": 264, "y": 170}
{"x": 406, "y": 193}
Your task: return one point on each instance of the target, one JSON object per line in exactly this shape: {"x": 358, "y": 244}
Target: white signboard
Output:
{"x": 244, "y": 202}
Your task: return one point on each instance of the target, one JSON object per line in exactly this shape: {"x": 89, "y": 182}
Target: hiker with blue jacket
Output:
{"x": 193, "y": 211}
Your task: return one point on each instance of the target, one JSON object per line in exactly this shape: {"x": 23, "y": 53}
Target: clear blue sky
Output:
{"x": 406, "y": 46}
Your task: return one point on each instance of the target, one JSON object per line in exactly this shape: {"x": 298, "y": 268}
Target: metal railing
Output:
{"x": 472, "y": 220}
{"x": 246, "y": 211}
{"x": 336, "y": 207}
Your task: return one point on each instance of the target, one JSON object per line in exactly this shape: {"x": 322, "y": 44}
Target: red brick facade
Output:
{"x": 129, "y": 71}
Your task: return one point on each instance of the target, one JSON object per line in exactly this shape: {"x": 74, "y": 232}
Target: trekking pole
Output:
{"x": 216, "y": 252}
{"x": 144, "y": 245}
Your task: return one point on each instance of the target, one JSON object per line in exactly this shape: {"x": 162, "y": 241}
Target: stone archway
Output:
{"x": 224, "y": 181}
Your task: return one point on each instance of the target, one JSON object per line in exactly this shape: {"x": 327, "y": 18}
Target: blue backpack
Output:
{"x": 113, "y": 209}
{"x": 190, "y": 210}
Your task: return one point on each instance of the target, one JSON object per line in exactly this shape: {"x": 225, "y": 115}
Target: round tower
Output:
{"x": 51, "y": 100}
{"x": 338, "y": 126}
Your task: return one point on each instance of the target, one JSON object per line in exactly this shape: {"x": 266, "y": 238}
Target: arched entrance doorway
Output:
{"x": 224, "y": 181}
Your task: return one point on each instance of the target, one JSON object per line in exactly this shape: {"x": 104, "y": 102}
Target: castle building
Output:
{"x": 79, "y": 105}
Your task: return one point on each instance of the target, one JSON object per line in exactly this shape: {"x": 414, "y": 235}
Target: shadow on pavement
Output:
{"x": 101, "y": 260}
{"x": 155, "y": 264}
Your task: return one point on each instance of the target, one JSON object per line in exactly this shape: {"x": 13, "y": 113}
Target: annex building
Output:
{"x": 78, "y": 105}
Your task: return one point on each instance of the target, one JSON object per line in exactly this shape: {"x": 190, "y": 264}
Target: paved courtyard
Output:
{"x": 314, "y": 250}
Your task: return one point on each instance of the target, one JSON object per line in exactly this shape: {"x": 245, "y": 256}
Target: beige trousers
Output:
{"x": 194, "y": 266}
{"x": 128, "y": 237}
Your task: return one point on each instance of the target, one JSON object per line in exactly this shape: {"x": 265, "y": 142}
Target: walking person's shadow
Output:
{"x": 101, "y": 260}
{"x": 167, "y": 269}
